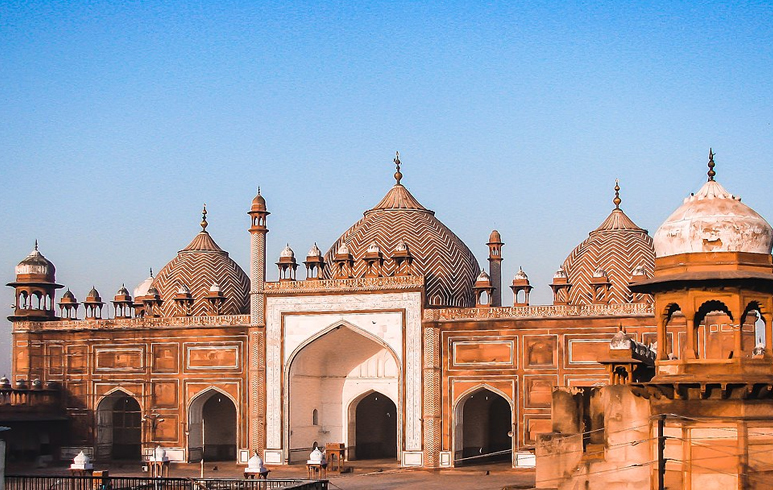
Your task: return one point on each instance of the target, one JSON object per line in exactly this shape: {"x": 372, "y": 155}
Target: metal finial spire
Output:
{"x": 36, "y": 244}
{"x": 712, "y": 173}
{"x": 204, "y": 218}
{"x": 617, "y": 199}
{"x": 151, "y": 272}
{"x": 398, "y": 175}
{"x": 258, "y": 190}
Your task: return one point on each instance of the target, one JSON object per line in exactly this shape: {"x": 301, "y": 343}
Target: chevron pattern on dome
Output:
{"x": 617, "y": 247}
{"x": 449, "y": 267}
{"x": 198, "y": 266}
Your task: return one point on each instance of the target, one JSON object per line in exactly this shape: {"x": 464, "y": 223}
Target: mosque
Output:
{"x": 395, "y": 343}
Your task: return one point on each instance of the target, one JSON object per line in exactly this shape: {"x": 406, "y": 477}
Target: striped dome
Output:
{"x": 198, "y": 266}
{"x": 438, "y": 254}
{"x": 615, "y": 249}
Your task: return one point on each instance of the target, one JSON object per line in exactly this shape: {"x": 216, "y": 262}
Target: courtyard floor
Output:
{"x": 374, "y": 474}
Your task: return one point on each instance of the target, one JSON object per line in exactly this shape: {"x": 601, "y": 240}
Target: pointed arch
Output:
{"x": 118, "y": 389}
{"x": 119, "y": 426}
{"x": 335, "y": 326}
{"x": 328, "y": 375}
{"x": 212, "y": 425}
{"x": 488, "y": 429}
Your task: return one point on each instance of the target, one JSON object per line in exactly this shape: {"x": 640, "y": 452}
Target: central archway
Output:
{"x": 119, "y": 428}
{"x": 375, "y": 434}
{"x": 484, "y": 428}
{"x": 327, "y": 378}
{"x": 212, "y": 427}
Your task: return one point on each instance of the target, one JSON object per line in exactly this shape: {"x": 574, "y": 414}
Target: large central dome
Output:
{"x": 438, "y": 254}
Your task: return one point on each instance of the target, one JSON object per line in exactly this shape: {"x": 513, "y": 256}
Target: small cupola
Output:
{"x": 483, "y": 290}
{"x": 403, "y": 259}
{"x": 599, "y": 283}
{"x": 122, "y": 303}
{"x": 215, "y": 298}
{"x": 68, "y": 306}
{"x": 521, "y": 288}
{"x": 151, "y": 303}
{"x": 560, "y": 287}
{"x": 374, "y": 261}
{"x": 343, "y": 263}
{"x": 287, "y": 264}
{"x": 258, "y": 214}
{"x": 183, "y": 300}
{"x": 315, "y": 264}
{"x": 93, "y": 305}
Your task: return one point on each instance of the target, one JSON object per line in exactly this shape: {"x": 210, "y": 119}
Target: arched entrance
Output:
{"x": 119, "y": 428}
{"x": 326, "y": 380}
{"x": 212, "y": 427}
{"x": 375, "y": 428}
{"x": 484, "y": 428}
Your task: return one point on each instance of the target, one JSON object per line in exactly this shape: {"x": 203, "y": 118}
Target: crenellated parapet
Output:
{"x": 133, "y": 323}
{"x": 543, "y": 311}
{"x": 358, "y": 284}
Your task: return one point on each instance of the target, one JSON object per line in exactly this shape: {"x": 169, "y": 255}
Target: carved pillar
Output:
{"x": 767, "y": 313}
{"x": 662, "y": 337}
{"x": 691, "y": 352}
{"x": 432, "y": 399}
{"x": 257, "y": 391}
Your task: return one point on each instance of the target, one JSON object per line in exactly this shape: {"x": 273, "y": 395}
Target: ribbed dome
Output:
{"x": 438, "y": 254}
{"x": 713, "y": 220}
{"x": 198, "y": 266}
{"x": 614, "y": 249}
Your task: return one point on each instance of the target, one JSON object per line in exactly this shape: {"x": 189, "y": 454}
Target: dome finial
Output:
{"x": 36, "y": 244}
{"x": 398, "y": 175}
{"x": 151, "y": 272}
{"x": 204, "y": 218}
{"x": 258, "y": 190}
{"x": 617, "y": 199}
{"x": 712, "y": 173}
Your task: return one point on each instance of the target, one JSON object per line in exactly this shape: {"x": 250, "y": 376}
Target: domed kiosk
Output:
{"x": 36, "y": 287}
{"x": 399, "y": 220}
{"x": 713, "y": 288}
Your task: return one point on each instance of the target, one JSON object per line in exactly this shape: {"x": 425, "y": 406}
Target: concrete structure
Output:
{"x": 393, "y": 344}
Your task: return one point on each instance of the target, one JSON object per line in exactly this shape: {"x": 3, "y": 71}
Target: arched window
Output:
{"x": 314, "y": 417}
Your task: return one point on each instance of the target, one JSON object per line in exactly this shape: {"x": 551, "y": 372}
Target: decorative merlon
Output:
{"x": 134, "y": 323}
{"x": 345, "y": 285}
{"x": 544, "y": 311}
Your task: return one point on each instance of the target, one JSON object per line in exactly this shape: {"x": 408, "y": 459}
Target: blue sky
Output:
{"x": 120, "y": 119}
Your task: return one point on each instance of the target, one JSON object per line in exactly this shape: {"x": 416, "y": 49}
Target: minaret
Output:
{"x": 258, "y": 231}
{"x": 495, "y": 266}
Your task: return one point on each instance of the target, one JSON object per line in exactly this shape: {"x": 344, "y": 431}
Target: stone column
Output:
{"x": 432, "y": 398}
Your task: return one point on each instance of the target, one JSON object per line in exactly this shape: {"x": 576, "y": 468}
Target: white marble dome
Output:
{"x": 713, "y": 220}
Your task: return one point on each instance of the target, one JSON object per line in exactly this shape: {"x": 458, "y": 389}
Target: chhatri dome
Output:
{"x": 399, "y": 220}
{"x": 614, "y": 250}
{"x": 713, "y": 220}
{"x": 35, "y": 264}
{"x": 197, "y": 267}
